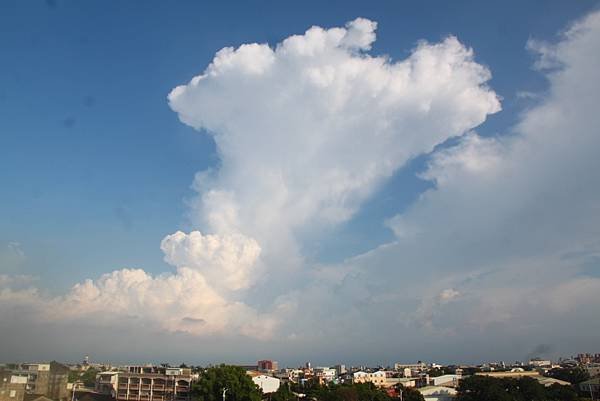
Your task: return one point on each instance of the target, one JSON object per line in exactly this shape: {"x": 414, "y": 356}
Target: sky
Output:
{"x": 348, "y": 182}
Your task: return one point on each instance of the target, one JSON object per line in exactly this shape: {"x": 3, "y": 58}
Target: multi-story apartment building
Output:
{"x": 153, "y": 383}
{"x": 12, "y": 388}
{"x": 413, "y": 366}
{"x": 47, "y": 379}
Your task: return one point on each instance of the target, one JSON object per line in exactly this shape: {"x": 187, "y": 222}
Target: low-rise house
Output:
{"x": 377, "y": 378}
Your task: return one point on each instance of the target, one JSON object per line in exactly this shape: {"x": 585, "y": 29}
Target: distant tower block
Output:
{"x": 267, "y": 365}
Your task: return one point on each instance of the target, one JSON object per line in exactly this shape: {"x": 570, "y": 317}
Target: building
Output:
{"x": 153, "y": 383}
{"x": 106, "y": 383}
{"x": 47, "y": 379}
{"x": 437, "y": 393}
{"x": 516, "y": 374}
{"x": 293, "y": 375}
{"x": 539, "y": 363}
{"x": 584, "y": 359}
{"x": 340, "y": 369}
{"x": 267, "y": 365}
{"x": 445, "y": 380}
{"x": 412, "y": 366}
{"x": 12, "y": 388}
{"x": 266, "y": 383}
{"x": 377, "y": 378}
{"x": 405, "y": 381}
{"x": 324, "y": 375}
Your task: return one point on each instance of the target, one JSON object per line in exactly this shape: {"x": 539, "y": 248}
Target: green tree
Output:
{"x": 89, "y": 377}
{"x": 345, "y": 392}
{"x": 556, "y": 392}
{"x": 214, "y": 380}
{"x": 526, "y": 388}
{"x": 283, "y": 393}
{"x": 482, "y": 388}
{"x": 368, "y": 392}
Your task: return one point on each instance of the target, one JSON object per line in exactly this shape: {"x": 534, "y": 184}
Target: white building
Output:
{"x": 436, "y": 393}
{"x": 539, "y": 362}
{"x": 445, "y": 380}
{"x": 266, "y": 383}
{"x": 326, "y": 375}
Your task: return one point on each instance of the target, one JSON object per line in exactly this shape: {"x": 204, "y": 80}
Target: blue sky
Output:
{"x": 96, "y": 168}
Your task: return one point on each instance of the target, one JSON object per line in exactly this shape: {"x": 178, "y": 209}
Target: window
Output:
{"x": 13, "y": 393}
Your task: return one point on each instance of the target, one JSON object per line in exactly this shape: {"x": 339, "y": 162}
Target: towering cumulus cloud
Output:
{"x": 306, "y": 130}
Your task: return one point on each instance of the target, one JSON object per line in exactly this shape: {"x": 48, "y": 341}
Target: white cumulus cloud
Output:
{"x": 307, "y": 129}
{"x": 223, "y": 260}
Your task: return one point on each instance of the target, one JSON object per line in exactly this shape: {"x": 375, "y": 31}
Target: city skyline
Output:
{"x": 386, "y": 182}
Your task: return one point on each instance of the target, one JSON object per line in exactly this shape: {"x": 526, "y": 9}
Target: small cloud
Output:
{"x": 526, "y": 95}
{"x": 15, "y": 248}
